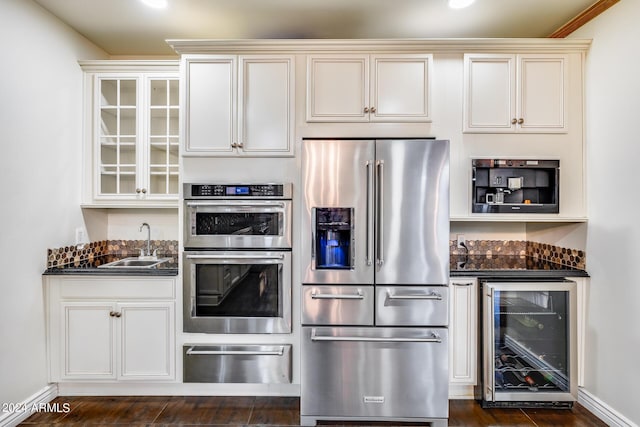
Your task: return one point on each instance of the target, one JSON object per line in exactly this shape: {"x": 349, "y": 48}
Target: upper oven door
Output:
{"x": 237, "y": 224}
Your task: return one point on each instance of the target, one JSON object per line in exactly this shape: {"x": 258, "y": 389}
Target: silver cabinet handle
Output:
{"x": 462, "y": 283}
{"x": 432, "y": 296}
{"x": 359, "y": 295}
{"x": 239, "y": 256}
{"x": 380, "y": 212}
{"x": 369, "y": 209}
{"x": 192, "y": 350}
{"x": 435, "y": 338}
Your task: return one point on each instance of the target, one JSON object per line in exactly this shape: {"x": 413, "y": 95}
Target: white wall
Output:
{"x": 41, "y": 93}
{"x": 613, "y": 150}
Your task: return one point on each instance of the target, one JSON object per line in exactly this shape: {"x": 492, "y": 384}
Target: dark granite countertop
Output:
{"x": 90, "y": 267}
{"x": 510, "y": 266}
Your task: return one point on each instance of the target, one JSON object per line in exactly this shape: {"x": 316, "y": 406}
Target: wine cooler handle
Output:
{"x": 490, "y": 366}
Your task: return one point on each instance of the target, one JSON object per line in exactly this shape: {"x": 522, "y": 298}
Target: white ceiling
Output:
{"x": 129, "y": 28}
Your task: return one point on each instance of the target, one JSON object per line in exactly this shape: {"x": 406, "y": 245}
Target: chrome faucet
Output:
{"x": 148, "y": 240}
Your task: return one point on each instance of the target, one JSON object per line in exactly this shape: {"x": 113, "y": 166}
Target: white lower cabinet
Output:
{"x": 463, "y": 334}
{"x": 111, "y": 328}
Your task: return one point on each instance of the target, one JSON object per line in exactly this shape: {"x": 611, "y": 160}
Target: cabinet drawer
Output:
{"x": 268, "y": 364}
{"x": 118, "y": 288}
{"x": 412, "y": 305}
{"x": 337, "y": 305}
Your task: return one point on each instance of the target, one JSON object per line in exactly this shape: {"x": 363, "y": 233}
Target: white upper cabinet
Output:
{"x": 132, "y": 131}
{"x": 369, "y": 88}
{"x": 238, "y": 105}
{"x": 515, "y": 93}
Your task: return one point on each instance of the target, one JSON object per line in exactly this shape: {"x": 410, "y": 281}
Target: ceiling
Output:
{"x": 129, "y": 28}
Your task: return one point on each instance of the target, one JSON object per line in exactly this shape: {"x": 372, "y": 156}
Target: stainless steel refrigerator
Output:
{"x": 375, "y": 250}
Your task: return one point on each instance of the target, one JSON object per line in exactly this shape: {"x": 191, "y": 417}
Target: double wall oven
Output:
{"x": 237, "y": 258}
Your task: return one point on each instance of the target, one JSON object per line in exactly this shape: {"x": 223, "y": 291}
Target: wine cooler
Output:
{"x": 530, "y": 344}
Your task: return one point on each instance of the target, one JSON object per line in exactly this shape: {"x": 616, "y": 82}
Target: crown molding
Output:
{"x": 200, "y": 46}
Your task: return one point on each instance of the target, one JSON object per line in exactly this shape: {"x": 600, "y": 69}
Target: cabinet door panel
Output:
{"x": 490, "y": 93}
{"x": 542, "y": 93}
{"x": 265, "y": 95}
{"x": 463, "y": 325}
{"x": 88, "y": 338}
{"x": 210, "y": 105}
{"x": 400, "y": 88}
{"x": 146, "y": 340}
{"x": 337, "y": 88}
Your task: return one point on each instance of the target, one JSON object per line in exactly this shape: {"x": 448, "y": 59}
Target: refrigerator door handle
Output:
{"x": 313, "y": 235}
{"x": 369, "y": 209}
{"x": 380, "y": 213}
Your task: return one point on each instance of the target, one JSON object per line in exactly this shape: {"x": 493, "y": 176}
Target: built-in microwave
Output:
{"x": 224, "y": 216}
{"x": 515, "y": 186}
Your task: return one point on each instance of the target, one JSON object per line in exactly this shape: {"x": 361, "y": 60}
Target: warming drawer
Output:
{"x": 266, "y": 364}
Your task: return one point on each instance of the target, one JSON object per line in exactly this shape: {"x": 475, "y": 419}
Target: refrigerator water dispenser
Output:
{"x": 334, "y": 233}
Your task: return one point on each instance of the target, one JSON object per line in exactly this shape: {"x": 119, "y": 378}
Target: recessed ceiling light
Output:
{"x": 156, "y": 4}
{"x": 459, "y": 4}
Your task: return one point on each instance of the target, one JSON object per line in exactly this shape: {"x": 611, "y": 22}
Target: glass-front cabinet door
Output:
{"x": 134, "y": 109}
{"x": 118, "y": 136}
{"x": 163, "y": 137}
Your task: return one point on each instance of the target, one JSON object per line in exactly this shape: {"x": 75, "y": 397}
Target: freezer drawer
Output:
{"x": 412, "y": 306}
{"x": 337, "y": 305}
{"x": 268, "y": 364}
{"x": 374, "y": 373}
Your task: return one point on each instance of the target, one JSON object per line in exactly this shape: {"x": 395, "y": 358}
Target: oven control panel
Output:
{"x": 228, "y": 191}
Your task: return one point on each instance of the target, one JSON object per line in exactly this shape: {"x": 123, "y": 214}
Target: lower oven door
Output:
{"x": 237, "y": 292}
{"x": 374, "y": 373}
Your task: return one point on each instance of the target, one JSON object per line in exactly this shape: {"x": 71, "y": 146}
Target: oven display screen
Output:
{"x": 237, "y": 191}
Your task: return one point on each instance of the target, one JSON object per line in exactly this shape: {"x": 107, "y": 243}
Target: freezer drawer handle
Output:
{"x": 435, "y": 338}
{"x": 359, "y": 295}
{"x": 431, "y": 296}
{"x": 192, "y": 350}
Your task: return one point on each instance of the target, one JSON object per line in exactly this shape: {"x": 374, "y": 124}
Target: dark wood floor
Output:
{"x": 155, "y": 411}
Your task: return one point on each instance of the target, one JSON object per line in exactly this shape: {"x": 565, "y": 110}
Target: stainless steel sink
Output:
{"x": 135, "y": 262}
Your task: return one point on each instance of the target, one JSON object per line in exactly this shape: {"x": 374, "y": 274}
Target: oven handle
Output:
{"x": 435, "y": 338}
{"x": 237, "y": 205}
{"x": 239, "y": 256}
{"x": 192, "y": 350}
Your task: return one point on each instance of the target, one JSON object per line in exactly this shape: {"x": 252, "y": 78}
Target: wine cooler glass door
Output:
{"x": 530, "y": 341}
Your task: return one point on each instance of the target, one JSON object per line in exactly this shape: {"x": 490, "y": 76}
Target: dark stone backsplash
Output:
{"x": 564, "y": 256}
{"x": 489, "y": 248}
{"x": 75, "y": 254}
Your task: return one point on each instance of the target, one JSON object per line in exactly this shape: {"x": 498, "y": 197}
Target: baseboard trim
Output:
{"x": 24, "y": 408}
{"x": 603, "y": 411}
